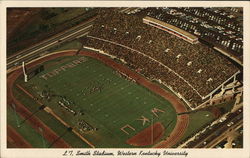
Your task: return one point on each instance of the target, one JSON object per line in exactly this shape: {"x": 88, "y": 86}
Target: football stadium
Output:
{"x": 135, "y": 78}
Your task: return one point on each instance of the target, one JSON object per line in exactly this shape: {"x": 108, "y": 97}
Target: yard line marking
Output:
{"x": 50, "y": 111}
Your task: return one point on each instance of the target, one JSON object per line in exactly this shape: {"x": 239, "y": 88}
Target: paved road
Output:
{"x": 218, "y": 132}
{"x": 225, "y": 130}
{"x": 39, "y": 49}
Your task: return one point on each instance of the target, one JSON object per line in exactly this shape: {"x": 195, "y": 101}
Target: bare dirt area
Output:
{"x": 148, "y": 136}
{"x": 216, "y": 112}
{"x": 182, "y": 120}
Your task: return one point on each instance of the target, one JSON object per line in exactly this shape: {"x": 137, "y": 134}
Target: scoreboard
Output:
{"x": 34, "y": 71}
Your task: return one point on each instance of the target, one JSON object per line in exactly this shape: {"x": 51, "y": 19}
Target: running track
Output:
{"x": 175, "y": 136}
{"x": 12, "y": 135}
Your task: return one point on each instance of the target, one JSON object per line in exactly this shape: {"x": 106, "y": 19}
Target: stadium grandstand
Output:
{"x": 196, "y": 73}
{"x": 217, "y": 27}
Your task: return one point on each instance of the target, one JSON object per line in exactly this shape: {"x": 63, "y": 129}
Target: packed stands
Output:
{"x": 219, "y": 28}
{"x": 192, "y": 71}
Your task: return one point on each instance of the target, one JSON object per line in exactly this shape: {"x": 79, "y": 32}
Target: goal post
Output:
{"x": 24, "y": 72}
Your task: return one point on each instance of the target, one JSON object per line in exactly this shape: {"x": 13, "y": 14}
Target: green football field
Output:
{"x": 101, "y": 99}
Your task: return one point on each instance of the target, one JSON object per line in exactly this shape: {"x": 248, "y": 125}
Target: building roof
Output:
{"x": 176, "y": 29}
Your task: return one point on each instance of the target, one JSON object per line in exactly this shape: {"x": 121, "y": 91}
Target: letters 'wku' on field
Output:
{"x": 63, "y": 68}
{"x": 143, "y": 119}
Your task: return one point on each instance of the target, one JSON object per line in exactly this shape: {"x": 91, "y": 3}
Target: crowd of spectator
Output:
{"x": 190, "y": 70}
{"x": 217, "y": 28}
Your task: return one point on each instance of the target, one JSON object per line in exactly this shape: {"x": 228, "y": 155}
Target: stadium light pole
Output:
{"x": 41, "y": 130}
{"x": 17, "y": 122}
